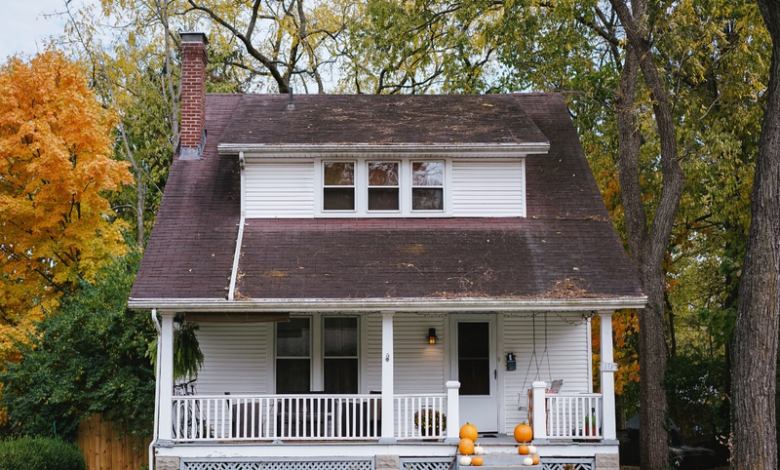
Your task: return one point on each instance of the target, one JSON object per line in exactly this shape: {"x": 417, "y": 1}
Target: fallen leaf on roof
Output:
{"x": 275, "y": 274}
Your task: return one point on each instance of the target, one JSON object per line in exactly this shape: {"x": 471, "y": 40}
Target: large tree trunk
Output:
{"x": 648, "y": 245}
{"x": 755, "y": 336}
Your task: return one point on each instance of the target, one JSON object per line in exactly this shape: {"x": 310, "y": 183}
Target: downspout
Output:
{"x": 239, "y": 239}
{"x": 156, "y": 391}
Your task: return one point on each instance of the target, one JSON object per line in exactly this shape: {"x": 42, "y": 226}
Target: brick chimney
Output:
{"x": 193, "y": 94}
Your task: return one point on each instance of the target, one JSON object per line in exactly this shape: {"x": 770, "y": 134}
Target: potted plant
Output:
{"x": 590, "y": 425}
{"x": 431, "y": 423}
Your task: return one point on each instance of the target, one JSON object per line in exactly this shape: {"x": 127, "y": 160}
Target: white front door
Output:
{"x": 474, "y": 365}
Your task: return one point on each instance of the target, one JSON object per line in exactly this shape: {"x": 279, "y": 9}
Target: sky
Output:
{"x": 24, "y": 28}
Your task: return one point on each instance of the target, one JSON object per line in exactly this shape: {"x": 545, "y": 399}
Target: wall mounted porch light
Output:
{"x": 432, "y": 336}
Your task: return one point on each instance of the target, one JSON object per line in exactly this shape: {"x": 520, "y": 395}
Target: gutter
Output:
{"x": 415, "y": 305}
{"x": 240, "y": 237}
{"x": 440, "y": 150}
{"x": 156, "y": 392}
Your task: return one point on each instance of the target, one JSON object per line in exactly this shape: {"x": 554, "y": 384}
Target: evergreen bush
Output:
{"x": 40, "y": 453}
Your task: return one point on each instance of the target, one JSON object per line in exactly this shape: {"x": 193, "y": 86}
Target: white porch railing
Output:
{"x": 421, "y": 416}
{"x": 304, "y": 417}
{"x": 574, "y": 416}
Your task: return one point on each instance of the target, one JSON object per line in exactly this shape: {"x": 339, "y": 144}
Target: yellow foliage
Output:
{"x": 55, "y": 167}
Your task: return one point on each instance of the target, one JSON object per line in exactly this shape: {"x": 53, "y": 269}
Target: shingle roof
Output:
{"x": 394, "y": 119}
{"x": 565, "y": 248}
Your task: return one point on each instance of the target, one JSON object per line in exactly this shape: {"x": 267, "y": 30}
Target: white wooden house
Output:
{"x": 369, "y": 273}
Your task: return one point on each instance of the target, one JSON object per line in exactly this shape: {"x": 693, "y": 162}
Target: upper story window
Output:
{"x": 338, "y": 190}
{"x": 383, "y": 187}
{"x": 428, "y": 186}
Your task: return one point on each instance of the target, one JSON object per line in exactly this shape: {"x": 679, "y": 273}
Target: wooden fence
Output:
{"x": 103, "y": 450}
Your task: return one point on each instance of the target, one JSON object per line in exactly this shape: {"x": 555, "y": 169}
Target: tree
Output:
{"x": 280, "y": 41}
{"x": 756, "y": 333}
{"x": 89, "y": 358}
{"x": 56, "y": 226}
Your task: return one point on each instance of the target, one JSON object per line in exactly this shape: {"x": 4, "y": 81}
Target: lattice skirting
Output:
{"x": 564, "y": 463}
{"x": 426, "y": 464}
{"x": 280, "y": 465}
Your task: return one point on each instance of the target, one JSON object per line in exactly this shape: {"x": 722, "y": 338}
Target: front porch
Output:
{"x": 413, "y": 421}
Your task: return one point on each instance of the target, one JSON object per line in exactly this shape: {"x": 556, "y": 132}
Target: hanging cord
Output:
{"x": 546, "y": 352}
{"x": 533, "y": 354}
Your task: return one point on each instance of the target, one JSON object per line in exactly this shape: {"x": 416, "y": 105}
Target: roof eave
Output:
{"x": 422, "y": 305}
{"x": 481, "y": 150}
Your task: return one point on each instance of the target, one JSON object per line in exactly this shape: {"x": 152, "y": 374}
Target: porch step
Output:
{"x": 501, "y": 462}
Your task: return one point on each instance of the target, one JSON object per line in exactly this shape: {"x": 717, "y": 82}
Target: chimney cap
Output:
{"x": 193, "y": 36}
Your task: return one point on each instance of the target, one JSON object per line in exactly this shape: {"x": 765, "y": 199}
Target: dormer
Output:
{"x": 382, "y": 156}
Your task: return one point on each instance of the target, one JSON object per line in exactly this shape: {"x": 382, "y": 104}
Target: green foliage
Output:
{"x": 37, "y": 453}
{"x": 697, "y": 390}
{"x": 87, "y": 359}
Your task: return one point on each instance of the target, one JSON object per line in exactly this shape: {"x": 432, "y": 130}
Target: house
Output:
{"x": 369, "y": 273}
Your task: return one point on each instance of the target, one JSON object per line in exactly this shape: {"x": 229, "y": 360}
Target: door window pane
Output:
{"x": 474, "y": 366}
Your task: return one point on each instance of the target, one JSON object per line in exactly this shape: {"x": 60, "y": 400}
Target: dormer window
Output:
{"x": 383, "y": 186}
{"x": 376, "y": 188}
{"x": 338, "y": 193}
{"x": 428, "y": 186}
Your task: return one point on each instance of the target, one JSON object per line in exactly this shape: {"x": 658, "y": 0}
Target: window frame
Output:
{"x": 362, "y": 187}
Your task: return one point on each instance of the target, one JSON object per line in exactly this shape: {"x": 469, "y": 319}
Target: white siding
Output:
{"x": 563, "y": 355}
{"x": 276, "y": 189}
{"x": 235, "y": 358}
{"x": 488, "y": 189}
{"x": 419, "y": 366}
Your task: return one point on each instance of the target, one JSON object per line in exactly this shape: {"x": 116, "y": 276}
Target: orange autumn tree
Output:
{"x": 56, "y": 226}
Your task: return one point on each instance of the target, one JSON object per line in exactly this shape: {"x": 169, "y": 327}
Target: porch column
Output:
{"x": 388, "y": 390}
{"x": 540, "y": 410}
{"x": 453, "y": 412}
{"x": 608, "y": 369}
{"x": 165, "y": 380}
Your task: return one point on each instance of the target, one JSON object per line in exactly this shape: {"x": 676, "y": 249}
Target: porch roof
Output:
{"x": 565, "y": 250}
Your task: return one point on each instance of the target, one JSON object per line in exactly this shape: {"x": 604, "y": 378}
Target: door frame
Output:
{"x": 495, "y": 322}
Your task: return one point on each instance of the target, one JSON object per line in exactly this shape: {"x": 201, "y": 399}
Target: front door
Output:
{"x": 475, "y": 367}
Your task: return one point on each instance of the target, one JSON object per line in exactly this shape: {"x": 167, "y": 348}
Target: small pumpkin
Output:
{"x": 528, "y": 461}
{"x": 468, "y": 431}
{"x": 532, "y": 449}
{"x": 535, "y": 459}
{"x": 478, "y": 449}
{"x": 523, "y": 450}
{"x": 466, "y": 446}
{"x": 476, "y": 461}
{"x": 523, "y": 433}
{"x": 465, "y": 461}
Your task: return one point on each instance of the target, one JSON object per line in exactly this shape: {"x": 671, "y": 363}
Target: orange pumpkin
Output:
{"x": 523, "y": 450}
{"x": 476, "y": 461}
{"x": 466, "y": 446}
{"x": 536, "y": 459}
{"x": 468, "y": 431}
{"x": 523, "y": 433}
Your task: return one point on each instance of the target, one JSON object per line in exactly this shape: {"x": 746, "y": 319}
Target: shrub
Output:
{"x": 39, "y": 453}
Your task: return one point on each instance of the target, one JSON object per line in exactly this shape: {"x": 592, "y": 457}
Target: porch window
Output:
{"x": 329, "y": 363}
{"x": 293, "y": 356}
{"x": 341, "y": 355}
